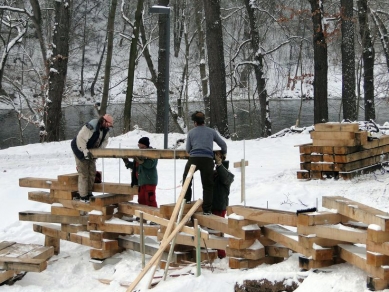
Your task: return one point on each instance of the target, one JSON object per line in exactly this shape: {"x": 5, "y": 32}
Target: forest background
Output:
{"x": 57, "y": 53}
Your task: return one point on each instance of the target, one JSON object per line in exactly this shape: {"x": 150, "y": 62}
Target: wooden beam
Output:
{"x": 48, "y": 217}
{"x": 214, "y": 242}
{"x": 278, "y": 250}
{"x": 145, "y": 153}
{"x": 267, "y": 216}
{"x": 357, "y": 211}
{"x": 318, "y": 218}
{"x": 337, "y": 127}
{"x": 23, "y": 264}
{"x": 240, "y": 263}
{"x": 248, "y": 253}
{"x": 335, "y": 232}
{"x": 165, "y": 222}
{"x": 41, "y": 197}
{"x": 110, "y": 199}
{"x": 129, "y": 208}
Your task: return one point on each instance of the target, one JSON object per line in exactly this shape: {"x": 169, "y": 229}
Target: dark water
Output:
{"x": 243, "y": 118}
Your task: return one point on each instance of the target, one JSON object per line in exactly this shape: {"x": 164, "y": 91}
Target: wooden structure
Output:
{"x": 17, "y": 257}
{"x": 354, "y": 233}
{"x": 341, "y": 150}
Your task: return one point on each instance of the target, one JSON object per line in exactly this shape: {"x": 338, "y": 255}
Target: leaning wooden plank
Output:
{"x": 164, "y": 244}
{"x": 267, "y": 216}
{"x": 357, "y": 211}
{"x": 23, "y": 264}
{"x": 146, "y": 153}
{"x": 164, "y": 222}
{"x": 48, "y": 217}
{"x": 356, "y": 255}
{"x": 335, "y": 232}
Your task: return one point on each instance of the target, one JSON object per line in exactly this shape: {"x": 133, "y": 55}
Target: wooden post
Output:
{"x": 142, "y": 239}
{"x": 198, "y": 247}
{"x": 242, "y": 164}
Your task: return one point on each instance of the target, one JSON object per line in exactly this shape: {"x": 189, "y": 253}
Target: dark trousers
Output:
{"x": 205, "y": 165}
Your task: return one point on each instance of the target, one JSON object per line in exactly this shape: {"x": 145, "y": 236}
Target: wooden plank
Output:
{"x": 361, "y": 154}
{"x": 336, "y": 127}
{"x": 278, "y": 250}
{"x": 356, "y": 255}
{"x": 56, "y": 210}
{"x": 145, "y": 153}
{"x": 289, "y": 239}
{"x": 335, "y": 232}
{"x": 5, "y": 244}
{"x": 73, "y": 228}
{"x": 330, "y": 142}
{"x": 240, "y": 223}
{"x": 23, "y": 264}
{"x": 221, "y": 224}
{"x": 129, "y": 208}
{"x": 83, "y": 206}
{"x": 248, "y": 253}
{"x": 97, "y": 218}
{"x": 41, "y": 196}
{"x": 109, "y": 199}
{"x": 240, "y": 263}
{"x": 333, "y": 135}
{"x": 101, "y": 254}
{"x": 318, "y": 218}
{"x": 65, "y": 195}
{"x": 48, "y": 217}
{"x": 357, "y": 211}
{"x": 165, "y": 222}
{"x": 308, "y": 241}
{"x": 115, "y": 188}
{"x": 262, "y": 215}
{"x": 166, "y": 210}
{"x": 33, "y": 182}
{"x": 97, "y": 235}
{"x": 307, "y": 263}
{"x": 213, "y": 241}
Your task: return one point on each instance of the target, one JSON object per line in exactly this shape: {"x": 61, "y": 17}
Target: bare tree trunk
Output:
{"x": 92, "y": 87}
{"x": 82, "y": 91}
{"x": 348, "y": 61}
{"x": 217, "y": 71}
{"x": 320, "y": 84}
{"x": 162, "y": 57}
{"x": 58, "y": 69}
{"x": 202, "y": 63}
{"x": 108, "y": 60}
{"x": 258, "y": 69}
{"x": 178, "y": 24}
{"x": 131, "y": 66}
{"x": 368, "y": 55}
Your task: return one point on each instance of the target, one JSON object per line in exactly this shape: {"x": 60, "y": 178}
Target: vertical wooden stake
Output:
{"x": 142, "y": 239}
{"x": 198, "y": 247}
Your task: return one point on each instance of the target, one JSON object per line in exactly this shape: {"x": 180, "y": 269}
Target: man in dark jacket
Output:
{"x": 93, "y": 134}
{"x": 222, "y": 179}
{"x": 144, "y": 174}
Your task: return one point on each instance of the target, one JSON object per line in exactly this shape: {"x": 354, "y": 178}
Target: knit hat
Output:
{"x": 145, "y": 141}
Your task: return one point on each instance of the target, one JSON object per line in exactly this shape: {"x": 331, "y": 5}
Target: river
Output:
{"x": 243, "y": 118}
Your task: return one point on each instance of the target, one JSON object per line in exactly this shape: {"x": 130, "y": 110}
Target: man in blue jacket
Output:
{"x": 199, "y": 145}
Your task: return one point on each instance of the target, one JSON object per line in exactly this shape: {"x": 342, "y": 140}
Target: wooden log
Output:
{"x": 144, "y": 153}
{"x": 164, "y": 222}
{"x": 262, "y": 215}
{"x": 357, "y": 211}
{"x": 240, "y": 263}
{"x": 48, "y": 217}
{"x": 335, "y": 232}
{"x": 356, "y": 255}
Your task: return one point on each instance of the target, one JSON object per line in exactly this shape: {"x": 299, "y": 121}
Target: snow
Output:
{"x": 270, "y": 182}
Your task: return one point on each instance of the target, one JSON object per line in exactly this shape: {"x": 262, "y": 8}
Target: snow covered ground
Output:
{"x": 270, "y": 182}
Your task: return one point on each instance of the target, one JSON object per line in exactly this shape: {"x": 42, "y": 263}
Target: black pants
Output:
{"x": 205, "y": 165}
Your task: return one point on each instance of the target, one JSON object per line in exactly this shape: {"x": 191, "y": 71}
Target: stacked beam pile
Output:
{"x": 341, "y": 150}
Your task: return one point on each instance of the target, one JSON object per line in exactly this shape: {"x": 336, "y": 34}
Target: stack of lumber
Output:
{"x": 341, "y": 150}
{"x": 17, "y": 257}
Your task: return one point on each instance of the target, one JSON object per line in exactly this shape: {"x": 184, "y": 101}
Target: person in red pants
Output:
{"x": 144, "y": 175}
{"x": 221, "y": 190}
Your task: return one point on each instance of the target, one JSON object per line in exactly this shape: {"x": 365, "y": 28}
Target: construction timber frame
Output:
{"x": 341, "y": 150}
{"x": 351, "y": 232}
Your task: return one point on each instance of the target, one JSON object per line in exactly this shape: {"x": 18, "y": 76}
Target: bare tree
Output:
{"x": 320, "y": 83}
{"x": 108, "y": 60}
{"x": 348, "y": 61}
{"x": 217, "y": 71}
{"x": 368, "y": 54}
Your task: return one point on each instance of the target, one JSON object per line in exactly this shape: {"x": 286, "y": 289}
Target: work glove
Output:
{"x": 139, "y": 160}
{"x": 218, "y": 157}
{"x": 87, "y": 154}
{"x": 125, "y": 160}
